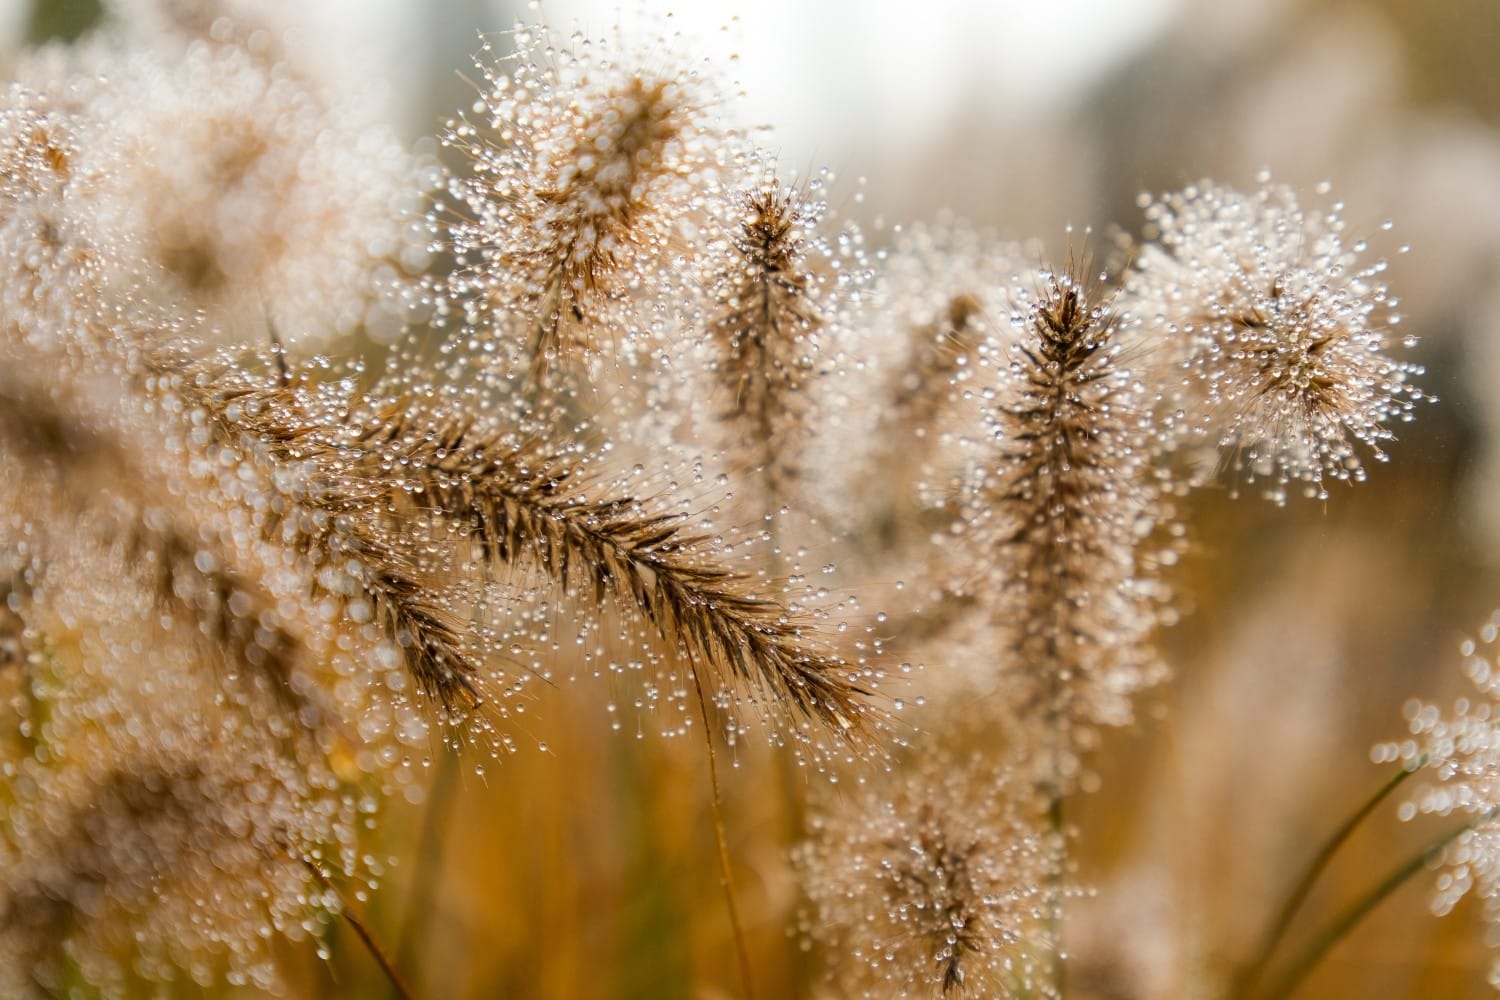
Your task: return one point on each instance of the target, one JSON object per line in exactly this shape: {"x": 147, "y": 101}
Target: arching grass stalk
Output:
{"x": 1255, "y": 968}
{"x": 726, "y": 876}
{"x": 372, "y": 944}
{"x": 1339, "y": 927}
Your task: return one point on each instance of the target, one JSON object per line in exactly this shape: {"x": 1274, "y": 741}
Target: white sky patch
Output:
{"x": 821, "y": 71}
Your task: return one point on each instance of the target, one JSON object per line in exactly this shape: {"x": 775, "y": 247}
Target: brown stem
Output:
{"x": 726, "y": 877}
{"x": 365, "y": 934}
{"x": 1056, "y": 873}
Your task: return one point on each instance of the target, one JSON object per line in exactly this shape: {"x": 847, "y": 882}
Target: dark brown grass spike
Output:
{"x": 644, "y": 561}
{"x": 762, "y": 328}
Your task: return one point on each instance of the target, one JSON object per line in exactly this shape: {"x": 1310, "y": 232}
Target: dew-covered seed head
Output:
{"x": 1274, "y": 337}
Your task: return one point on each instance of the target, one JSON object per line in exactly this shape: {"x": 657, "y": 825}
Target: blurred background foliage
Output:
{"x": 587, "y": 869}
{"x": 65, "y": 20}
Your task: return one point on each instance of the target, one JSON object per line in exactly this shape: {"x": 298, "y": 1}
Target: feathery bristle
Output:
{"x": 763, "y": 325}
{"x": 332, "y": 518}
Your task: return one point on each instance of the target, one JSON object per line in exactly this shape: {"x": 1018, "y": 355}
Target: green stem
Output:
{"x": 1256, "y": 967}
{"x": 1340, "y": 926}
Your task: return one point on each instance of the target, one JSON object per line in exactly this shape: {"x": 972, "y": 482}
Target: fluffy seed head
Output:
{"x": 1064, "y": 509}
{"x": 55, "y": 275}
{"x": 133, "y": 844}
{"x": 156, "y": 823}
{"x": 254, "y": 200}
{"x": 931, "y": 888}
{"x": 1460, "y": 751}
{"x": 1275, "y": 334}
{"x": 579, "y": 168}
{"x": 772, "y": 293}
{"x": 527, "y": 509}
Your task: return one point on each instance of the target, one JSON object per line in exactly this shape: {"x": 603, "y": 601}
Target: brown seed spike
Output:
{"x": 927, "y": 883}
{"x": 941, "y": 349}
{"x": 1063, "y": 508}
{"x": 183, "y": 851}
{"x": 577, "y": 177}
{"x": 1276, "y": 337}
{"x": 766, "y": 317}
{"x": 527, "y": 507}
{"x": 588, "y": 212}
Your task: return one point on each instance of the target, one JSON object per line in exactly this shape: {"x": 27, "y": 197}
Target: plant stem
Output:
{"x": 726, "y": 877}
{"x": 1054, "y": 732}
{"x": 1055, "y": 887}
{"x": 1252, "y": 972}
{"x": 365, "y": 934}
{"x": 1339, "y": 927}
